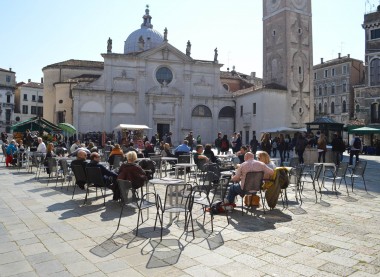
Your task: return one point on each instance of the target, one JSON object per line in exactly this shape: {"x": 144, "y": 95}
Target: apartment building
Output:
{"x": 29, "y": 100}
{"x": 7, "y": 91}
{"x": 334, "y": 82}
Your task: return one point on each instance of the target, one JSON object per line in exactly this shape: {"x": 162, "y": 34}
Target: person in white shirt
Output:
{"x": 75, "y": 146}
{"x": 41, "y": 146}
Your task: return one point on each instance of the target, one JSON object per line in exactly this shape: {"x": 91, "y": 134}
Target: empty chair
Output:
{"x": 294, "y": 162}
{"x": 357, "y": 172}
{"x": 115, "y": 161}
{"x": 144, "y": 202}
{"x": 157, "y": 164}
{"x": 339, "y": 174}
{"x": 64, "y": 172}
{"x": 295, "y": 175}
{"x": 312, "y": 177}
{"x": 178, "y": 199}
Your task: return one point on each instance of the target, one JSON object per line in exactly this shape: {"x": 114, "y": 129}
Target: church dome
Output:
{"x": 144, "y": 38}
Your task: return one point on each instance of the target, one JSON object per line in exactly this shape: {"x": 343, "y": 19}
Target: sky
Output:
{"x": 38, "y": 33}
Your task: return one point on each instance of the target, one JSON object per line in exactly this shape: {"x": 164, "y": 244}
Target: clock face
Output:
{"x": 272, "y": 5}
{"x": 299, "y": 4}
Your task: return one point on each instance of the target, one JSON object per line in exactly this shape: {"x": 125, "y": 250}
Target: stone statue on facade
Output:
{"x": 188, "y": 48}
{"x": 141, "y": 43}
{"x": 109, "y": 45}
{"x": 216, "y": 55}
{"x": 166, "y": 34}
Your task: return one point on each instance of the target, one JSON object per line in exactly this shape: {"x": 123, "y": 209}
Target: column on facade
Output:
{"x": 108, "y": 111}
{"x": 76, "y": 111}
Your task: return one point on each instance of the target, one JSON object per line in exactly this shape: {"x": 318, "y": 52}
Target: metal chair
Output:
{"x": 295, "y": 175}
{"x": 117, "y": 159}
{"x": 252, "y": 185}
{"x": 141, "y": 204}
{"x": 178, "y": 199}
{"x": 312, "y": 177}
{"x": 64, "y": 172}
{"x": 80, "y": 177}
{"x": 339, "y": 174}
{"x": 294, "y": 162}
{"x": 157, "y": 164}
{"x": 358, "y": 172}
{"x": 95, "y": 179}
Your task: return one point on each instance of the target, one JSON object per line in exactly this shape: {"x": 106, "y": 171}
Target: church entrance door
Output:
{"x": 162, "y": 129}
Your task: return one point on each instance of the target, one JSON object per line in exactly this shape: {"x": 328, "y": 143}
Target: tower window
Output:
{"x": 274, "y": 32}
{"x": 375, "y": 34}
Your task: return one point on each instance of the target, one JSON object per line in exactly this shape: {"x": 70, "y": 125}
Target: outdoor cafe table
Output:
{"x": 184, "y": 166}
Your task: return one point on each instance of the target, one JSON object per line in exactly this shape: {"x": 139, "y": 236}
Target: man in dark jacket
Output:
{"x": 81, "y": 160}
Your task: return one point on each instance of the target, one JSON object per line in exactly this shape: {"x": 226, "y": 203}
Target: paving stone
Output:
{"x": 337, "y": 269}
{"x": 15, "y": 268}
{"x": 49, "y": 267}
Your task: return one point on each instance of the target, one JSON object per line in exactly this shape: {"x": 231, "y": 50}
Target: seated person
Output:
{"x": 209, "y": 153}
{"x": 81, "y": 160}
{"x": 130, "y": 148}
{"x": 167, "y": 153}
{"x": 81, "y": 148}
{"x": 116, "y": 151}
{"x": 249, "y": 165}
{"x": 263, "y": 156}
{"x": 182, "y": 148}
{"x": 132, "y": 172}
{"x": 198, "y": 155}
{"x": 107, "y": 174}
{"x": 241, "y": 153}
{"x": 148, "y": 149}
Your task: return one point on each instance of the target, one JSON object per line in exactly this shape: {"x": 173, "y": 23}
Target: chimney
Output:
{"x": 29, "y": 80}
{"x": 253, "y": 74}
{"x": 338, "y": 55}
{"x": 10, "y": 69}
{"x": 42, "y": 80}
{"x": 321, "y": 60}
{"x": 348, "y": 55}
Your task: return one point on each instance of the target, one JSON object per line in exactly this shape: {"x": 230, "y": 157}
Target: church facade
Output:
{"x": 152, "y": 83}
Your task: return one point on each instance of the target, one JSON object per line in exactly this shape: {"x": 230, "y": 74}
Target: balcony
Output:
{"x": 8, "y": 105}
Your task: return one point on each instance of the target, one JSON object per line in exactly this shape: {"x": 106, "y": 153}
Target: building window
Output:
{"x": 344, "y": 69}
{"x": 202, "y": 111}
{"x": 332, "y": 88}
{"x": 227, "y": 112}
{"x": 326, "y": 73}
{"x": 40, "y": 99}
{"x": 33, "y": 110}
{"x": 315, "y": 76}
{"x": 320, "y": 90}
{"x": 254, "y": 108}
{"x": 332, "y": 108}
{"x": 25, "y": 109}
{"x": 326, "y": 90}
{"x": 344, "y": 106}
{"x": 8, "y": 78}
{"x": 40, "y": 111}
{"x": 375, "y": 34}
{"x": 8, "y": 99}
{"x": 226, "y": 87}
{"x": 33, "y": 98}
{"x": 333, "y": 72}
{"x": 344, "y": 86}
{"x": 25, "y": 97}
{"x": 374, "y": 75}
{"x": 320, "y": 108}
{"x": 241, "y": 110}
{"x": 164, "y": 75}
{"x": 357, "y": 108}
{"x": 325, "y": 108}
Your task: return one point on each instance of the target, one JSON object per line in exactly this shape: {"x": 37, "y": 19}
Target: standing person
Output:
{"x": 10, "y": 151}
{"x": 224, "y": 145}
{"x": 238, "y": 143}
{"x": 168, "y": 139}
{"x": 199, "y": 139}
{"x": 274, "y": 147}
{"x": 288, "y": 146}
{"x": 233, "y": 142}
{"x": 265, "y": 143}
{"x": 190, "y": 140}
{"x": 254, "y": 144}
{"x": 321, "y": 145}
{"x": 218, "y": 142}
{"x": 300, "y": 147}
{"x": 338, "y": 147}
{"x": 356, "y": 147}
{"x": 153, "y": 140}
{"x": 281, "y": 147}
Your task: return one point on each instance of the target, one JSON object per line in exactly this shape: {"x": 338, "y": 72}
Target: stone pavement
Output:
{"x": 43, "y": 232}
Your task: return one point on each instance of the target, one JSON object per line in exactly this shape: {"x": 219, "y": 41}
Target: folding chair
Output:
{"x": 252, "y": 185}
{"x": 358, "y": 172}
{"x": 141, "y": 204}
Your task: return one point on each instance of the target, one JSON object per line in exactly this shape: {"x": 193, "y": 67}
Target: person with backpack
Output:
{"x": 356, "y": 148}
{"x": 338, "y": 147}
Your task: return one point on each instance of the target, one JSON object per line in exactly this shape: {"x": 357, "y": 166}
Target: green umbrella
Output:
{"x": 68, "y": 128}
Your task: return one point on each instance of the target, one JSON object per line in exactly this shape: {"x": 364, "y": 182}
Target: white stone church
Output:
{"x": 155, "y": 84}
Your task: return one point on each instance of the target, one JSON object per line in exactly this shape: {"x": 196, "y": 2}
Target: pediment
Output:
{"x": 165, "y": 52}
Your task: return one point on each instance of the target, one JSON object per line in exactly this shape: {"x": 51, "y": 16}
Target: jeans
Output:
{"x": 323, "y": 155}
{"x": 234, "y": 190}
{"x": 352, "y": 154}
{"x": 338, "y": 157}
{"x": 282, "y": 156}
{"x": 300, "y": 156}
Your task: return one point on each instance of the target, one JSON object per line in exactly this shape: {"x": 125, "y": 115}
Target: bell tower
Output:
{"x": 288, "y": 55}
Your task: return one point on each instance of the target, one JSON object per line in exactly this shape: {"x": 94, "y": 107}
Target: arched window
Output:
{"x": 320, "y": 108}
{"x": 320, "y": 90}
{"x": 374, "y": 112}
{"x": 332, "y": 88}
{"x": 202, "y": 111}
{"x": 357, "y": 108}
{"x": 332, "y": 108}
{"x": 374, "y": 76}
{"x": 226, "y": 87}
{"x": 227, "y": 112}
{"x": 326, "y": 89}
{"x": 325, "y": 108}
{"x": 344, "y": 106}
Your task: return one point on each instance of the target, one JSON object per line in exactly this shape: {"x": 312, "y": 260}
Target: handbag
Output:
{"x": 251, "y": 200}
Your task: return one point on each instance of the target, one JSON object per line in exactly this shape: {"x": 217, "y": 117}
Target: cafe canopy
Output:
{"x": 364, "y": 131}
{"x": 36, "y": 124}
